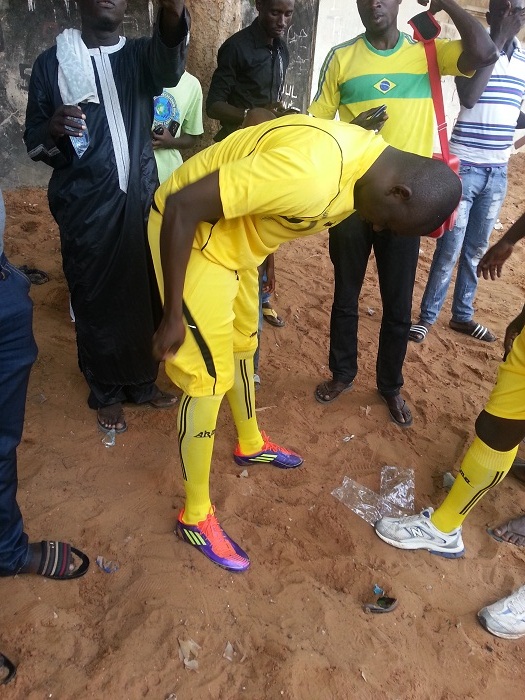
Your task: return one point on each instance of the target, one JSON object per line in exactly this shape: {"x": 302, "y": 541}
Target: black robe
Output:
{"x": 105, "y": 254}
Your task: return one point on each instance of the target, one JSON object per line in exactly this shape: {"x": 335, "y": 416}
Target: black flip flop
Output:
{"x": 418, "y": 332}
{"x": 349, "y": 386}
{"x": 35, "y": 275}
{"x": 474, "y": 330}
{"x": 9, "y": 667}
{"x": 384, "y": 604}
{"x": 401, "y": 424}
{"x": 55, "y": 558}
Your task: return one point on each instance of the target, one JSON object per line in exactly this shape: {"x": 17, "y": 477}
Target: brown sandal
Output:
{"x": 326, "y": 392}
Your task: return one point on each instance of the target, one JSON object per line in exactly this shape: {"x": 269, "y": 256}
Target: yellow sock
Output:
{"x": 196, "y": 425}
{"x": 481, "y": 469}
{"x": 241, "y": 398}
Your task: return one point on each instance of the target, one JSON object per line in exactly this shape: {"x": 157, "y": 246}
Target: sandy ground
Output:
{"x": 295, "y": 618}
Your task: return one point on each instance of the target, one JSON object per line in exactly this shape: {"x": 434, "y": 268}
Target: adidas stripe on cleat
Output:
{"x": 210, "y": 539}
{"x": 270, "y": 454}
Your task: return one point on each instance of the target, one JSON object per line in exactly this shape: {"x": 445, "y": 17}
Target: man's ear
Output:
{"x": 403, "y": 192}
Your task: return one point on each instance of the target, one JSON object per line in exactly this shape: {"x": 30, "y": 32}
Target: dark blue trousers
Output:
{"x": 350, "y": 245}
{"x": 18, "y": 352}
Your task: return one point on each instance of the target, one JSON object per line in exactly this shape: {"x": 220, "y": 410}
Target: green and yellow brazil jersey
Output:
{"x": 355, "y": 77}
{"x": 280, "y": 180}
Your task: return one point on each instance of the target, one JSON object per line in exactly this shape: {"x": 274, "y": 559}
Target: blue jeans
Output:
{"x": 17, "y": 353}
{"x": 484, "y": 190}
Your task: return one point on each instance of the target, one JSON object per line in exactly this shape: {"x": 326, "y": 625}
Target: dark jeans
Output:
{"x": 351, "y": 243}
{"x": 17, "y": 353}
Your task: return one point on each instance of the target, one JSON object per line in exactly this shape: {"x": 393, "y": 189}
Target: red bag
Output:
{"x": 426, "y": 29}
{"x": 453, "y": 162}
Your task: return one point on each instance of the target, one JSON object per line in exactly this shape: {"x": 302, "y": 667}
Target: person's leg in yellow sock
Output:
{"x": 254, "y": 447}
{"x": 241, "y": 398}
{"x": 499, "y": 429}
{"x": 482, "y": 468}
{"x": 196, "y": 426}
{"x": 197, "y": 523}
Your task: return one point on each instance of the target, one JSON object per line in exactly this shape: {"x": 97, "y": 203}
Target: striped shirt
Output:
{"x": 484, "y": 135}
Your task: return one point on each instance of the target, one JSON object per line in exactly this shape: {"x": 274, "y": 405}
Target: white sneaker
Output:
{"x": 418, "y": 532}
{"x": 506, "y": 618}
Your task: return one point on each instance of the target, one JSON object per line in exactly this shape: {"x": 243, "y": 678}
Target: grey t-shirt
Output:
{"x": 2, "y": 222}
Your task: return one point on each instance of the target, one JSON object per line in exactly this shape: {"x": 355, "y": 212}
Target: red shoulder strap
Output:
{"x": 437, "y": 95}
{"x": 421, "y": 26}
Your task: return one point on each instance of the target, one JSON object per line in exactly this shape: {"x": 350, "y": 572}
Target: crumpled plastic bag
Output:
{"x": 395, "y": 497}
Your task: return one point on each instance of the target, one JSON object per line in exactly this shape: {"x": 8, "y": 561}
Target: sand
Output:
{"x": 295, "y": 619}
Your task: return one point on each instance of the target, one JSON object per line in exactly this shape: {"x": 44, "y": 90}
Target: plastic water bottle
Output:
{"x": 80, "y": 143}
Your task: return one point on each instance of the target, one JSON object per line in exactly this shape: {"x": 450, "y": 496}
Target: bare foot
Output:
{"x": 398, "y": 409}
{"x": 111, "y": 418}
{"x": 513, "y": 531}
{"x": 326, "y": 392}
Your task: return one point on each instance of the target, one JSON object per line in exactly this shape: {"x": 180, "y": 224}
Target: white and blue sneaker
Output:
{"x": 418, "y": 532}
{"x": 506, "y": 618}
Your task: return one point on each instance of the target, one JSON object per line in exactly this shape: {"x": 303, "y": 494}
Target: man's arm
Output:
{"x": 166, "y": 140}
{"x": 172, "y": 30}
{"x": 200, "y": 201}
{"x": 478, "y": 47}
{"x": 47, "y": 126}
{"x": 222, "y": 85}
{"x": 471, "y": 89}
{"x": 327, "y": 98}
{"x": 225, "y": 113}
{"x": 491, "y": 263}
{"x": 164, "y": 59}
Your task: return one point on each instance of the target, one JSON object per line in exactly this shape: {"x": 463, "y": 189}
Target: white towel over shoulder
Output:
{"x": 76, "y": 77}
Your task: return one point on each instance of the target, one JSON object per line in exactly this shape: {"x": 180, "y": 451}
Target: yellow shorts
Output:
{"x": 507, "y": 399}
{"x": 221, "y": 314}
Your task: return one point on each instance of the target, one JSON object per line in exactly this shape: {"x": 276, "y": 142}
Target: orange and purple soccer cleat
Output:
{"x": 210, "y": 539}
{"x": 270, "y": 454}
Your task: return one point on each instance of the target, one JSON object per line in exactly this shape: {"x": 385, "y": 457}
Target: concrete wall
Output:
{"x": 27, "y": 27}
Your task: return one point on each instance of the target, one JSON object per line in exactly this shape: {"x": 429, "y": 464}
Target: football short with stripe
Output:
{"x": 221, "y": 316}
{"x": 507, "y": 399}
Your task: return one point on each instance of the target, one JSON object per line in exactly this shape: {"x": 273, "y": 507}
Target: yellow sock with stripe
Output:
{"x": 481, "y": 469}
{"x": 196, "y": 423}
{"x": 241, "y": 398}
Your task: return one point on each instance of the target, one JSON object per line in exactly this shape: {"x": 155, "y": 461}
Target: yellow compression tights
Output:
{"x": 241, "y": 398}
{"x": 481, "y": 469}
{"x": 196, "y": 425}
